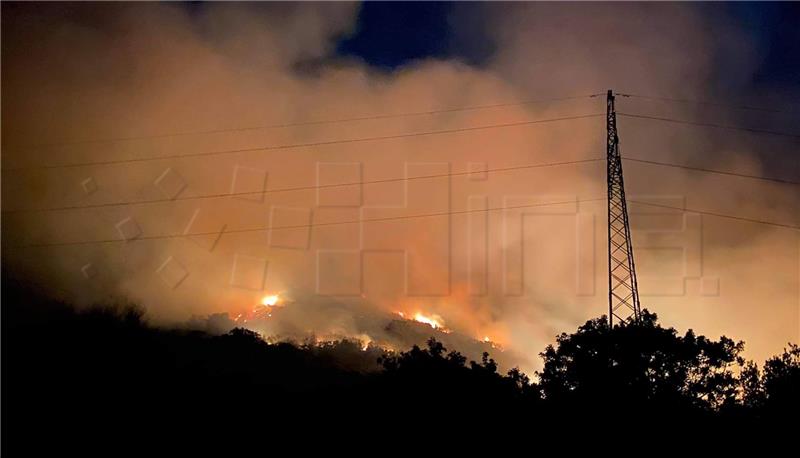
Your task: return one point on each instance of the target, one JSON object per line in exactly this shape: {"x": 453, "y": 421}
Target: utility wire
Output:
{"x": 303, "y": 226}
{"x": 395, "y": 218}
{"x": 706, "y": 103}
{"x": 300, "y": 188}
{"x": 719, "y": 172}
{"x": 720, "y": 215}
{"x": 309, "y": 144}
{"x": 710, "y": 124}
{"x": 312, "y": 123}
{"x": 386, "y": 180}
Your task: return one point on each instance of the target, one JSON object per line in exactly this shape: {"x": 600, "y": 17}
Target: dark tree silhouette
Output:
{"x": 644, "y": 367}
{"x": 775, "y": 392}
{"x": 435, "y": 377}
{"x": 103, "y": 376}
{"x": 782, "y": 380}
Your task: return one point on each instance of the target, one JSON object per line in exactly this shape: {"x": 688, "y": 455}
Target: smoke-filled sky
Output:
{"x": 224, "y": 120}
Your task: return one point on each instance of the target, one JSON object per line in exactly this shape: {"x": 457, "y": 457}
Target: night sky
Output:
{"x": 389, "y": 35}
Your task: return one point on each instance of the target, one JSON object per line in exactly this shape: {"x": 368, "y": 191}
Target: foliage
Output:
{"x": 641, "y": 363}
{"x": 101, "y": 369}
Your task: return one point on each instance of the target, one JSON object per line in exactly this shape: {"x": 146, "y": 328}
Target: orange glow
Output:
{"x": 433, "y": 321}
{"x": 270, "y": 300}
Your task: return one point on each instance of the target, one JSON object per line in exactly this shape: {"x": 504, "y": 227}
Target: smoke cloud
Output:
{"x": 103, "y": 82}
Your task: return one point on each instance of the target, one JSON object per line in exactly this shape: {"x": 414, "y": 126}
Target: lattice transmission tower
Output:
{"x": 623, "y": 293}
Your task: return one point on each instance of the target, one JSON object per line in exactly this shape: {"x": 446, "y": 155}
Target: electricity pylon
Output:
{"x": 623, "y": 293}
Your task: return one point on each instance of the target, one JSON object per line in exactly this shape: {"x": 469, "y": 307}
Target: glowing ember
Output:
{"x": 270, "y": 300}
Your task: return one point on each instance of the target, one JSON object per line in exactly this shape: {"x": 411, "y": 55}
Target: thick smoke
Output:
{"x": 76, "y": 75}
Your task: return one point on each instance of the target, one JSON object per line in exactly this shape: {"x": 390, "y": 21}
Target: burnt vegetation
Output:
{"x": 103, "y": 375}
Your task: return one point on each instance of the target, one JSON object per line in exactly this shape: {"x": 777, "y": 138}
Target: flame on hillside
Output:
{"x": 263, "y": 309}
{"x": 432, "y": 320}
{"x": 270, "y": 300}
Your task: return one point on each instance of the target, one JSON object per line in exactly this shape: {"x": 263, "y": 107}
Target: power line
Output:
{"x": 394, "y": 218}
{"x": 311, "y": 123}
{"x": 303, "y": 226}
{"x": 719, "y": 172}
{"x": 720, "y": 215}
{"x": 300, "y": 188}
{"x": 706, "y": 103}
{"x": 309, "y": 144}
{"x": 710, "y": 124}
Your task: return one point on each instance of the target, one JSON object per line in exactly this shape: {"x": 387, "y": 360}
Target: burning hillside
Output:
{"x": 316, "y": 321}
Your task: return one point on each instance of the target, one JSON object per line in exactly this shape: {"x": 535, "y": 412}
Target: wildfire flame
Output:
{"x": 432, "y": 320}
{"x": 366, "y": 341}
{"x": 495, "y": 345}
{"x": 270, "y": 300}
{"x": 263, "y": 309}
